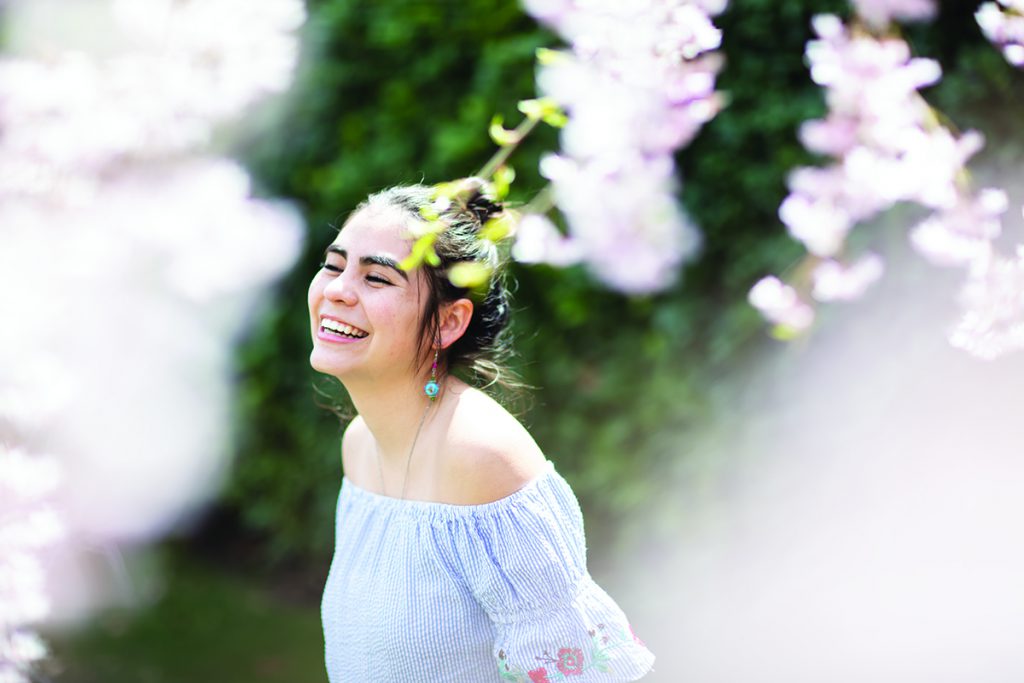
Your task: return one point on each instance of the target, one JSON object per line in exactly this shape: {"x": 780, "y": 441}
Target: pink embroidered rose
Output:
{"x": 539, "y": 676}
{"x": 570, "y": 661}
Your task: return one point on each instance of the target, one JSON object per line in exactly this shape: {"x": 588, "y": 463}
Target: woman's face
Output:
{"x": 377, "y": 305}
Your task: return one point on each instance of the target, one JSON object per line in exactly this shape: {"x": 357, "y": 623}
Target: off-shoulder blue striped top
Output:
{"x": 425, "y": 591}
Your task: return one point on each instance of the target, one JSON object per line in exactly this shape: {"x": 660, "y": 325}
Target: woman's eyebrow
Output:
{"x": 374, "y": 260}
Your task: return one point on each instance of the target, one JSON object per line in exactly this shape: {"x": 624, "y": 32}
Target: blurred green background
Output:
{"x": 399, "y": 91}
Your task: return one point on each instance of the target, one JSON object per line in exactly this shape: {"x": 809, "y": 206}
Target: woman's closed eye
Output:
{"x": 328, "y": 266}
{"x": 370, "y": 277}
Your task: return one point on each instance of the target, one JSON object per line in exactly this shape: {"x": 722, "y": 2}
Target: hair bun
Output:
{"x": 482, "y": 207}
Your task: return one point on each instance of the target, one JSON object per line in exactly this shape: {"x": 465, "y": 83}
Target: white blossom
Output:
{"x": 993, "y": 298}
{"x": 132, "y": 263}
{"x": 889, "y": 147}
{"x": 780, "y": 303}
{"x": 963, "y": 233}
{"x": 539, "y": 241}
{"x": 881, "y": 12}
{"x": 637, "y": 84}
{"x": 1003, "y": 24}
{"x": 837, "y": 281}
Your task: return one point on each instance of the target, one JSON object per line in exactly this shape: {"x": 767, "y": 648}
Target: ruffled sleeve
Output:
{"x": 524, "y": 560}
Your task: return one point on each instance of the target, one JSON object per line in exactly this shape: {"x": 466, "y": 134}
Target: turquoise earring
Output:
{"x": 432, "y": 387}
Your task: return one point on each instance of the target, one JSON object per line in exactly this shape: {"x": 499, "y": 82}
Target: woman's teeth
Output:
{"x": 341, "y": 328}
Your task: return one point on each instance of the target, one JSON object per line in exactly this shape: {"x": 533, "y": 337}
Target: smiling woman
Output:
{"x": 467, "y": 562}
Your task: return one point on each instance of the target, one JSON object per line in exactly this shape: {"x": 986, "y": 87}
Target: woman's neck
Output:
{"x": 394, "y": 412}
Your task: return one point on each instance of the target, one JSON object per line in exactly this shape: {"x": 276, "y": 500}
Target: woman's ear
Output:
{"x": 455, "y": 318}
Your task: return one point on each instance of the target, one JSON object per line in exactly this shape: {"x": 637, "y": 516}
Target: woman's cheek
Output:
{"x": 312, "y": 300}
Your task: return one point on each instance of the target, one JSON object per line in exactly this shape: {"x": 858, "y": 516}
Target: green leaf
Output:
{"x": 501, "y": 135}
{"x": 785, "y": 332}
{"x": 547, "y": 56}
{"x": 556, "y": 119}
{"x": 448, "y": 189}
{"x": 502, "y": 179}
{"x": 497, "y": 228}
{"x": 422, "y": 249}
{"x": 469, "y": 274}
{"x": 430, "y": 227}
{"x": 533, "y": 109}
{"x": 545, "y": 109}
{"x": 411, "y": 262}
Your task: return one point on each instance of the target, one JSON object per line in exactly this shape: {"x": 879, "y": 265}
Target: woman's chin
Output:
{"x": 330, "y": 366}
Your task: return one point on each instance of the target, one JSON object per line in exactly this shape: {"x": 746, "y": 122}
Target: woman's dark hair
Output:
{"x": 483, "y": 348}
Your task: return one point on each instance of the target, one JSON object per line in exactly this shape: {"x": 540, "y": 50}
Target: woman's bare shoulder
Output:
{"x": 354, "y": 444}
{"x": 489, "y": 454}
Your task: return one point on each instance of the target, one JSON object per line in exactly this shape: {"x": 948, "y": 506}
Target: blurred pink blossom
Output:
{"x": 993, "y": 299}
{"x": 633, "y": 235}
{"x": 888, "y": 147}
{"x": 167, "y": 254}
{"x": 637, "y": 84}
{"x": 539, "y": 241}
{"x": 29, "y": 524}
{"x": 779, "y": 303}
{"x": 1003, "y": 24}
{"x": 819, "y": 223}
{"x": 68, "y": 115}
{"x": 834, "y": 136}
{"x": 876, "y": 129}
{"x": 964, "y": 232}
{"x": 837, "y": 281}
{"x": 881, "y": 12}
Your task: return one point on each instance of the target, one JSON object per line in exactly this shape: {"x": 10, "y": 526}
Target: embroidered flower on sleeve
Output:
{"x": 570, "y": 661}
{"x": 539, "y": 676}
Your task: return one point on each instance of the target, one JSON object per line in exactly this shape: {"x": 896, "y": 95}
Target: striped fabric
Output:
{"x": 423, "y": 591}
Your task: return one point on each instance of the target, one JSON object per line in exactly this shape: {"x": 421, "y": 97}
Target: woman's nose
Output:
{"x": 340, "y": 289}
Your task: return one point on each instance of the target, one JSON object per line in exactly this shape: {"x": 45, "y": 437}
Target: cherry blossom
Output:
{"x": 168, "y": 254}
{"x": 834, "y": 281}
{"x": 28, "y": 525}
{"x": 780, "y": 303}
{"x": 964, "y": 232}
{"x": 877, "y": 131}
{"x": 1003, "y": 24}
{"x": 633, "y": 235}
{"x": 539, "y": 241}
{"x": 993, "y": 299}
{"x": 637, "y": 84}
{"x": 881, "y": 12}
{"x": 887, "y": 146}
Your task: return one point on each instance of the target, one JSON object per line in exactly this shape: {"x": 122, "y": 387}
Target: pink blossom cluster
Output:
{"x": 993, "y": 300}
{"x": 880, "y": 132}
{"x": 780, "y": 303}
{"x": 133, "y": 261}
{"x": 880, "y": 13}
{"x": 1003, "y": 24}
{"x": 29, "y": 525}
{"x": 176, "y": 74}
{"x": 637, "y": 84}
{"x": 884, "y": 150}
{"x": 888, "y": 147}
